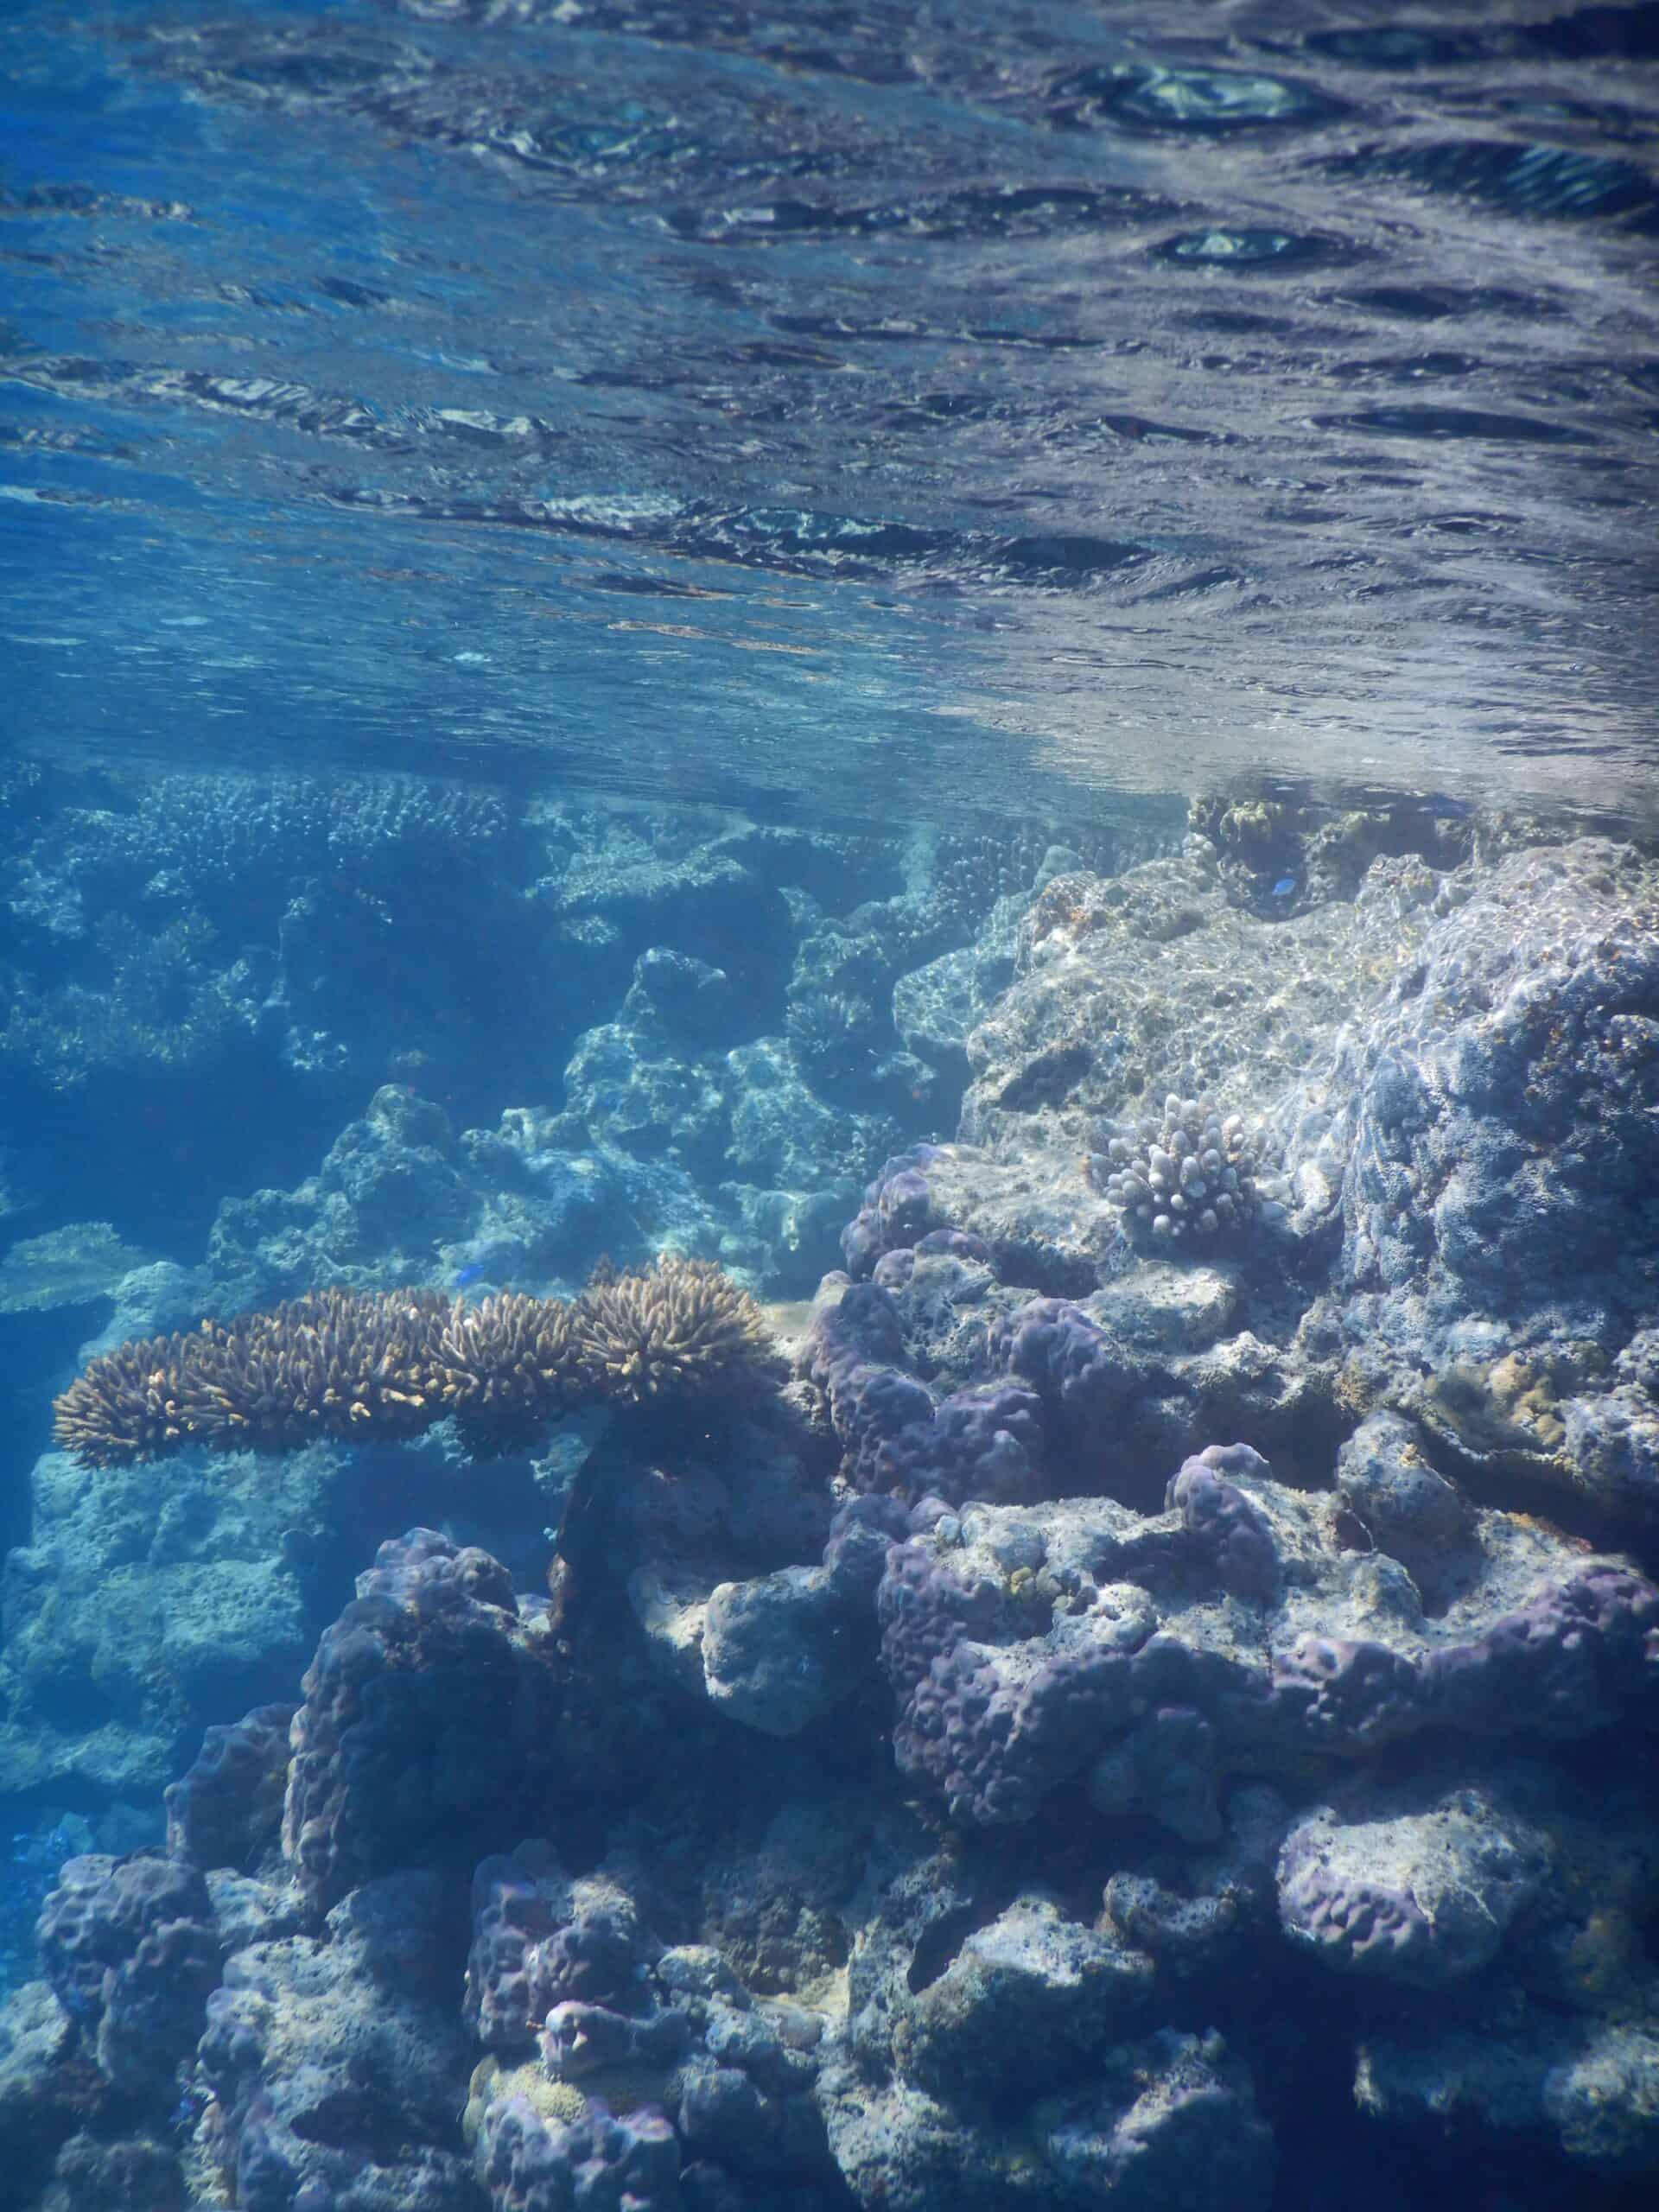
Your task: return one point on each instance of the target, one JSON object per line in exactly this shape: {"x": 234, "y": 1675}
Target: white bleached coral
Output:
{"x": 1194, "y": 1177}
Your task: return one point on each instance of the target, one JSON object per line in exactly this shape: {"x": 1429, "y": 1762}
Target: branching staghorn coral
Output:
{"x": 334, "y": 1364}
{"x": 1194, "y": 1178}
{"x": 508, "y": 1366}
{"x": 677, "y": 1329}
{"x": 349, "y": 1365}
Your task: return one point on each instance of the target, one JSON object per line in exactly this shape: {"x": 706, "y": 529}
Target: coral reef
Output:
{"x": 163, "y": 1008}
{"x": 534, "y": 2162}
{"x": 1499, "y": 1224}
{"x": 1023, "y": 1642}
{"x": 332, "y": 2063}
{"x": 398, "y": 1184}
{"x": 389, "y": 1759}
{"x": 133, "y": 1953}
{"x": 983, "y": 1441}
{"x": 277, "y": 935}
{"x": 1157, "y": 1668}
{"x": 664, "y": 2057}
{"x": 1001, "y": 2050}
{"x": 895, "y": 1212}
{"x": 228, "y": 1807}
{"x": 950, "y": 1774}
{"x": 142, "y": 1611}
{"x": 236, "y": 842}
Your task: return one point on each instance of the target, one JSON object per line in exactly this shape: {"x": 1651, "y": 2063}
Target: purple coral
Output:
{"x": 894, "y": 1269}
{"x": 564, "y": 1963}
{"x": 1560, "y": 1666}
{"x": 926, "y": 1608}
{"x": 428, "y": 1715}
{"x": 1424, "y": 1896}
{"x": 871, "y": 1409}
{"x": 1000, "y": 1695}
{"x": 1066, "y": 1358}
{"x": 130, "y": 1948}
{"x": 895, "y": 1211}
{"x": 984, "y": 1443}
{"x": 542, "y": 1939}
{"x": 851, "y": 1350}
{"x": 537, "y": 2163}
{"x": 994, "y": 1728}
{"x": 513, "y": 1898}
{"x": 1233, "y": 1532}
{"x": 228, "y": 1807}
{"x": 997, "y": 1744}
{"x": 1348, "y": 1695}
{"x": 861, "y": 1536}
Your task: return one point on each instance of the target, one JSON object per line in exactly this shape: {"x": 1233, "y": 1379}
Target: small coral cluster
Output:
{"x": 389, "y": 1364}
{"x": 1195, "y": 1176}
{"x": 681, "y": 1329}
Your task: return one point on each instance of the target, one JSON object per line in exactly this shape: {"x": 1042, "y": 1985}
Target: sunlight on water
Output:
{"x": 610, "y": 395}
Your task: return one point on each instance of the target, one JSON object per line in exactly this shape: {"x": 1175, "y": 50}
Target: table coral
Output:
{"x": 389, "y": 1364}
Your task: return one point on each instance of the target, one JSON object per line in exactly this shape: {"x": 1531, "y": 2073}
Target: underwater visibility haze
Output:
{"x": 829, "y": 1106}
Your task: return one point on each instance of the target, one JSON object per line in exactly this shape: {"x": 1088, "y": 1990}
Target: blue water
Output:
{"x": 493, "y": 490}
{"x": 1033, "y": 402}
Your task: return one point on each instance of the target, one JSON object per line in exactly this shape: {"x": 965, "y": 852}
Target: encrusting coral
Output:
{"x": 353, "y": 1364}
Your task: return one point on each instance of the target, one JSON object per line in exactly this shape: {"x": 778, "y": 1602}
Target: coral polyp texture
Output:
{"x": 1196, "y": 1177}
{"x": 336, "y": 1364}
{"x": 508, "y": 1366}
{"x": 677, "y": 1329}
{"x": 353, "y": 1365}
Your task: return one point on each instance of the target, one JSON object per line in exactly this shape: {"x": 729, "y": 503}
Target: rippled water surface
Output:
{"x": 880, "y": 410}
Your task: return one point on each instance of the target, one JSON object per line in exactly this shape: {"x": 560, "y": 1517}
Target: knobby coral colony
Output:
{"x": 388, "y": 1364}
{"x": 1194, "y": 1174}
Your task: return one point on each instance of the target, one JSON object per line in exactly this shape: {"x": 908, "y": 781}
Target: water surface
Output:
{"x": 856, "y": 408}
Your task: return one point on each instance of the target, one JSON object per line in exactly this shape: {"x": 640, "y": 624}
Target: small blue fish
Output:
{"x": 189, "y": 2108}
{"x": 462, "y": 1276}
{"x": 1285, "y": 886}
